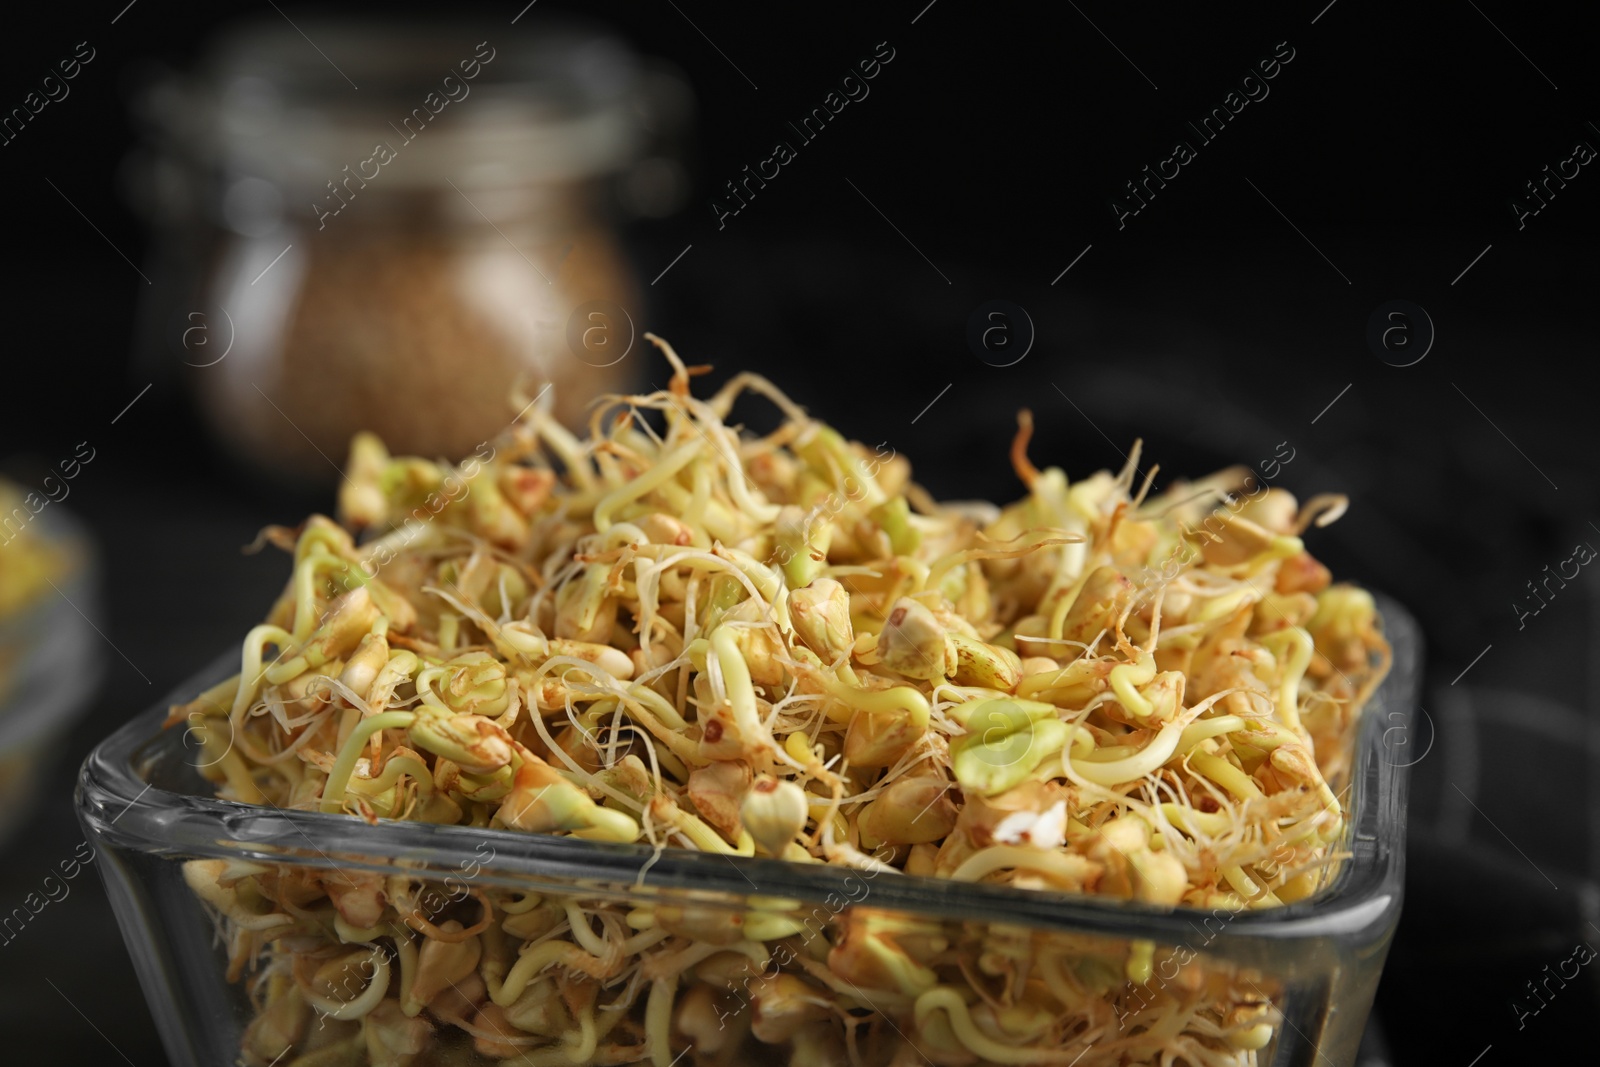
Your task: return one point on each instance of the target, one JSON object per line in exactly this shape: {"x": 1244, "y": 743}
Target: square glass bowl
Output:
{"x": 1299, "y": 978}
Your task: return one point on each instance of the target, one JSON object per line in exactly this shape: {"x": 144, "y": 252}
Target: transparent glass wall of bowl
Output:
{"x": 1316, "y": 963}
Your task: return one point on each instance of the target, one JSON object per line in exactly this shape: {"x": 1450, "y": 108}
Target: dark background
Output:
{"x": 1215, "y": 325}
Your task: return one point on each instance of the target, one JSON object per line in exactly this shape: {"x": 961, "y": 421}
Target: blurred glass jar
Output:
{"x": 392, "y": 227}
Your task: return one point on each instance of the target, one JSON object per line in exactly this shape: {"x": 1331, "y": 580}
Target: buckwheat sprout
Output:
{"x": 1160, "y": 749}
{"x": 664, "y": 468}
{"x": 567, "y": 448}
{"x": 1032, "y": 541}
{"x": 675, "y": 632}
{"x": 344, "y": 764}
{"x": 1125, "y": 678}
{"x": 1299, "y": 645}
{"x": 312, "y": 728}
{"x": 576, "y": 770}
{"x": 1224, "y": 774}
{"x": 740, "y": 694}
{"x": 950, "y": 1001}
{"x": 277, "y": 708}
{"x": 722, "y": 403}
{"x": 251, "y": 670}
{"x": 1068, "y": 867}
{"x": 1199, "y": 731}
{"x": 361, "y": 1005}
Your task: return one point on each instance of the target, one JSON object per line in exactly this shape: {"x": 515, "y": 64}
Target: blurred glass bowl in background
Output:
{"x": 51, "y": 659}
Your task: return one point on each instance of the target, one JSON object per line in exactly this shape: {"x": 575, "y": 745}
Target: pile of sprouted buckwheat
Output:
{"x": 678, "y": 634}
